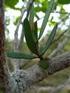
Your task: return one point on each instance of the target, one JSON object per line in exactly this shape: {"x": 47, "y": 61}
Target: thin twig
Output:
{"x": 29, "y": 7}
{"x": 55, "y": 40}
{"x": 16, "y": 31}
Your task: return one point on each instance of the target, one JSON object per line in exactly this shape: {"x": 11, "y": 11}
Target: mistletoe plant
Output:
{"x": 31, "y": 35}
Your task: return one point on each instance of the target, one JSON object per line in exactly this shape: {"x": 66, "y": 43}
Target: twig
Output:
{"x": 55, "y": 40}
{"x": 29, "y": 7}
{"x": 16, "y": 31}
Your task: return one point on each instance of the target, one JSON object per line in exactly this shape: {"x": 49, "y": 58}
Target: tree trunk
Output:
{"x": 3, "y": 69}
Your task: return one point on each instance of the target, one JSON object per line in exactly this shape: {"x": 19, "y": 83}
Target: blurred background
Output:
{"x": 15, "y": 12}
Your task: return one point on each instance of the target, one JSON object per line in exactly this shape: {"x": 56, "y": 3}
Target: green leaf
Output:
{"x": 11, "y": 3}
{"x": 64, "y": 1}
{"x": 31, "y": 16}
{"x": 16, "y": 21}
{"x": 41, "y": 1}
{"x": 49, "y": 41}
{"x": 43, "y": 64}
{"x": 47, "y": 14}
{"x": 44, "y": 5}
{"x": 33, "y": 24}
{"x": 29, "y": 37}
{"x": 35, "y": 32}
{"x": 18, "y": 55}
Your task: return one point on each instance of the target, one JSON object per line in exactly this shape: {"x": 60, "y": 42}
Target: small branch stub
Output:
{"x": 43, "y": 63}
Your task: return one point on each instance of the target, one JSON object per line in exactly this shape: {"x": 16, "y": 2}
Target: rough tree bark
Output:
{"x": 4, "y": 75}
{"x": 25, "y": 78}
{"x": 2, "y": 57}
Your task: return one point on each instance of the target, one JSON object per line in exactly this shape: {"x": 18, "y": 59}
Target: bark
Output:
{"x": 4, "y": 75}
{"x": 2, "y": 57}
{"x": 25, "y": 78}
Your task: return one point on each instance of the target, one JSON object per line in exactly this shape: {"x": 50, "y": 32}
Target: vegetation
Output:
{"x": 33, "y": 47}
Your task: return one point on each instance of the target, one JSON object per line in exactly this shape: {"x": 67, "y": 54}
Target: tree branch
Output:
{"x": 25, "y": 78}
